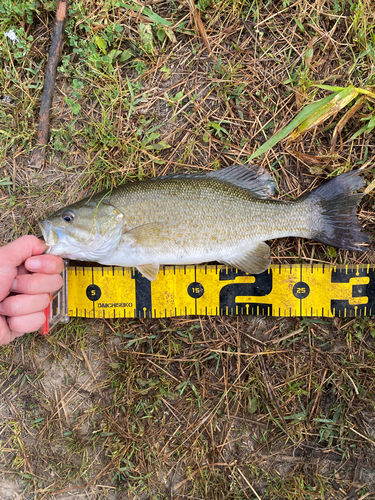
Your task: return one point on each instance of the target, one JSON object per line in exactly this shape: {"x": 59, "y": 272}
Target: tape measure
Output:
{"x": 282, "y": 290}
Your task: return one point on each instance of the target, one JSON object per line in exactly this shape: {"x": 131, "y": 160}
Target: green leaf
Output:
{"x": 253, "y": 405}
{"x": 150, "y": 137}
{"x": 203, "y": 4}
{"x": 147, "y": 39}
{"x": 371, "y": 123}
{"x": 215, "y": 125}
{"x": 101, "y": 43}
{"x": 299, "y": 24}
{"x": 161, "y": 145}
{"x": 77, "y": 84}
{"x": 170, "y": 34}
{"x": 308, "y": 55}
{"x": 74, "y": 106}
{"x": 6, "y": 182}
{"x": 331, "y": 252}
{"x": 160, "y": 33}
{"x": 126, "y": 54}
{"x": 167, "y": 71}
{"x": 113, "y": 54}
{"x": 369, "y": 50}
{"x": 178, "y": 96}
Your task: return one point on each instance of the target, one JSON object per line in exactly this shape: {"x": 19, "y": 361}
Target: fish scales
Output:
{"x": 208, "y": 209}
{"x": 222, "y": 216}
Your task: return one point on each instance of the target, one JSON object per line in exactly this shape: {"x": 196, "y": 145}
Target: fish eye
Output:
{"x": 68, "y": 216}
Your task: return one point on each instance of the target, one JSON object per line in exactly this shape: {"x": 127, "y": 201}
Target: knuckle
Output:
{"x": 13, "y": 306}
{"x": 15, "y": 324}
{"x": 4, "y": 331}
{"x": 60, "y": 265}
{"x": 55, "y": 283}
{"x": 24, "y": 324}
{"x": 57, "y": 264}
{"x": 59, "y": 281}
{"x": 28, "y": 239}
{"x": 52, "y": 263}
{"x": 44, "y": 301}
{"x": 31, "y": 284}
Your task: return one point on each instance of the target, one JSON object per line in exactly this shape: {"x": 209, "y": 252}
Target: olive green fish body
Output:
{"x": 222, "y": 216}
{"x": 187, "y": 220}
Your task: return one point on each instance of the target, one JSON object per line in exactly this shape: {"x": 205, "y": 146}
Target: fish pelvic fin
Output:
{"x": 253, "y": 260}
{"x": 334, "y": 219}
{"x": 150, "y": 271}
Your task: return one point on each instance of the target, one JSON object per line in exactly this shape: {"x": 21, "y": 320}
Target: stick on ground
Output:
{"x": 199, "y": 24}
{"x": 38, "y": 154}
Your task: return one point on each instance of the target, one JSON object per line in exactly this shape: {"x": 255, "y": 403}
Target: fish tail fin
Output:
{"x": 337, "y": 223}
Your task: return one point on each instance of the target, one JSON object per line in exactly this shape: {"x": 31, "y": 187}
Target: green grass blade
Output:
{"x": 147, "y": 12}
{"x": 330, "y": 87}
{"x": 359, "y": 132}
{"x": 367, "y": 92}
{"x": 339, "y": 101}
{"x": 300, "y": 118}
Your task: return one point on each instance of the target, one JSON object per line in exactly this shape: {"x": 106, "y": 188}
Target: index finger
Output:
{"x": 13, "y": 255}
{"x": 46, "y": 264}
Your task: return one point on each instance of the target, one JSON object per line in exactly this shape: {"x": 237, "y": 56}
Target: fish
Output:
{"x": 224, "y": 215}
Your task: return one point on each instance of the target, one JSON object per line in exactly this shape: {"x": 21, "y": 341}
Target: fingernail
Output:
{"x": 1, "y": 307}
{"x": 33, "y": 264}
{"x": 14, "y": 285}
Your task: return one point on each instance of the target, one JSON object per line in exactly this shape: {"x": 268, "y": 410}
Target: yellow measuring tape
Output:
{"x": 283, "y": 290}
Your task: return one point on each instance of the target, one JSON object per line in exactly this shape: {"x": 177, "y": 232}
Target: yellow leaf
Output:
{"x": 339, "y": 101}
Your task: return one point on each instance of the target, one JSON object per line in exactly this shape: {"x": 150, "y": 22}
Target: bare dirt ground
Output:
{"x": 196, "y": 407}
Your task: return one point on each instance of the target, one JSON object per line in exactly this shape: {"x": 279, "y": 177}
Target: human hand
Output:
{"x": 28, "y": 276}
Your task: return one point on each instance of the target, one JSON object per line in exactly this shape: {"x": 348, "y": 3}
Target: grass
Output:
{"x": 213, "y": 408}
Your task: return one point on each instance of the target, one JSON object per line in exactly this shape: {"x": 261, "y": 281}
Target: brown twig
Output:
{"x": 38, "y": 154}
{"x": 199, "y": 24}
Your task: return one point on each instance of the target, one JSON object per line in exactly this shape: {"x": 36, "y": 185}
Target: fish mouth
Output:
{"x": 49, "y": 233}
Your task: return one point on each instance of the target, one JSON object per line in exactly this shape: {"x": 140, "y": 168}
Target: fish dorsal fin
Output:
{"x": 251, "y": 177}
{"x": 150, "y": 271}
{"x": 253, "y": 260}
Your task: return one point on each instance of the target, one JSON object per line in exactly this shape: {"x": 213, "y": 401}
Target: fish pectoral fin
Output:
{"x": 255, "y": 260}
{"x": 147, "y": 234}
{"x": 150, "y": 271}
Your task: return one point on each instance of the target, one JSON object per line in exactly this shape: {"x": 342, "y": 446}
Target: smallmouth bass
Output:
{"x": 224, "y": 216}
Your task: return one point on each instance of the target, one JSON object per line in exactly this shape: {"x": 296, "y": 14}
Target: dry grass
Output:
{"x": 213, "y": 408}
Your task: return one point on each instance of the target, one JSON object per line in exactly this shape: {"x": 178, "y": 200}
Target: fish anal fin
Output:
{"x": 253, "y": 260}
{"x": 150, "y": 271}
